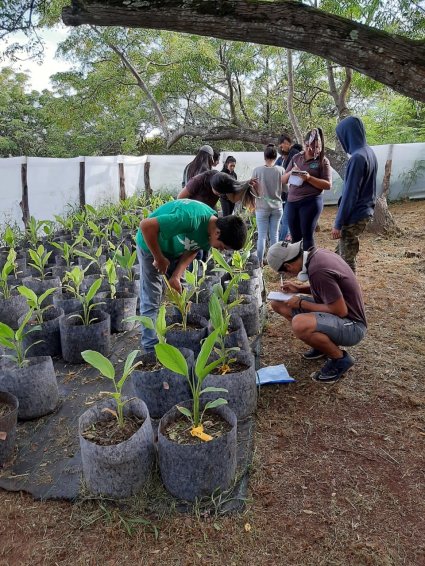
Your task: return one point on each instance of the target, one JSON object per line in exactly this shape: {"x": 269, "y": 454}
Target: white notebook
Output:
{"x": 279, "y": 296}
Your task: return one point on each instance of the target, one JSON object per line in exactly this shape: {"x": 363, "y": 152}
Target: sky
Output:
{"x": 40, "y": 73}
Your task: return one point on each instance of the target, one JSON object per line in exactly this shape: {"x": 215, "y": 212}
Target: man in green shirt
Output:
{"x": 167, "y": 243}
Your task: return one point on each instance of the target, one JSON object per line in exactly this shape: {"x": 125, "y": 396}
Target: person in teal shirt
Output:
{"x": 167, "y": 243}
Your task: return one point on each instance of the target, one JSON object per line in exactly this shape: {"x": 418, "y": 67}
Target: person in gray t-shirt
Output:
{"x": 268, "y": 204}
{"x": 334, "y": 314}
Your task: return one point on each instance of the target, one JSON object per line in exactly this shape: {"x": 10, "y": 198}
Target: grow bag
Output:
{"x": 123, "y": 305}
{"x": 12, "y": 309}
{"x": 76, "y": 337}
{"x": 41, "y": 285}
{"x": 34, "y": 385}
{"x": 191, "y": 471}
{"x": 241, "y": 386}
{"x": 122, "y": 469}
{"x": 49, "y": 334}
{"x": 161, "y": 389}
{"x": 192, "y": 337}
{"x": 8, "y": 427}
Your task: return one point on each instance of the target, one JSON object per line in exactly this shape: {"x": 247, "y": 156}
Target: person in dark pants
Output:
{"x": 229, "y": 168}
{"x": 332, "y": 316}
{"x": 168, "y": 241}
{"x": 358, "y": 198}
{"x": 308, "y": 175}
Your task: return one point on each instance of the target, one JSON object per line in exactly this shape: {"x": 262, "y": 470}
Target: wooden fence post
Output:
{"x": 24, "y": 202}
{"x": 148, "y": 188}
{"x": 122, "y": 181}
{"x": 81, "y": 183}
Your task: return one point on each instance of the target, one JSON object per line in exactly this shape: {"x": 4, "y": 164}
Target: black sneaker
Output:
{"x": 313, "y": 354}
{"x": 333, "y": 370}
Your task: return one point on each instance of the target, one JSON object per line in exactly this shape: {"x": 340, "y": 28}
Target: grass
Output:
{"x": 337, "y": 477}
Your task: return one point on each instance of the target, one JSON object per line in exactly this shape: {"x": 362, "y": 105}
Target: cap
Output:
{"x": 281, "y": 253}
{"x": 208, "y": 149}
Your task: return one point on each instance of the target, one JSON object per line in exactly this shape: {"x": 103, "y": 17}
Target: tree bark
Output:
{"x": 388, "y": 58}
{"x": 383, "y": 221}
{"x": 290, "y": 98}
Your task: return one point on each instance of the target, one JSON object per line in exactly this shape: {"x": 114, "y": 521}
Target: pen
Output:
{"x": 281, "y": 280}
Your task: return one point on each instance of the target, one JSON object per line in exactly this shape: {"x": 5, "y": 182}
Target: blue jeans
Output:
{"x": 284, "y": 226}
{"x": 303, "y": 216}
{"x": 151, "y": 287}
{"x": 267, "y": 225}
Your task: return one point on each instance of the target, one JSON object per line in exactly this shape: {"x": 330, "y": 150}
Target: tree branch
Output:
{"x": 391, "y": 59}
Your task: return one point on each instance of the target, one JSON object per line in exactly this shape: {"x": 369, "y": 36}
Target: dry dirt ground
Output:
{"x": 338, "y": 473}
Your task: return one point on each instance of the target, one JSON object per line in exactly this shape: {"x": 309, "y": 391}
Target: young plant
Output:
{"x": 180, "y": 300}
{"x": 171, "y": 358}
{"x": 14, "y": 340}
{"x": 9, "y": 237}
{"x": 105, "y": 367}
{"x": 33, "y": 229}
{"x": 67, "y": 251}
{"x": 7, "y": 269}
{"x": 235, "y": 277}
{"x": 35, "y": 303}
{"x": 126, "y": 261}
{"x": 86, "y": 303}
{"x": 40, "y": 258}
{"x": 160, "y": 326}
{"x": 93, "y": 258}
{"x": 194, "y": 280}
{"x": 220, "y": 320}
{"x": 111, "y": 275}
{"x": 67, "y": 223}
{"x": 73, "y": 280}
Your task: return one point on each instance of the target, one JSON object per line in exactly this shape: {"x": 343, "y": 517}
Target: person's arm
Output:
{"x": 150, "y": 230}
{"x": 184, "y": 261}
{"x": 316, "y": 182}
{"x": 295, "y": 288}
{"x": 184, "y": 193}
{"x": 338, "y": 307}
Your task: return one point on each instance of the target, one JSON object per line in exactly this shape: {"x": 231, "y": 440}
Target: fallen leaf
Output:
{"x": 3, "y": 435}
{"x": 247, "y": 527}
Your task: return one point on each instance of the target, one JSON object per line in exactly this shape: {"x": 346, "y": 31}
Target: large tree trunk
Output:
{"x": 390, "y": 59}
{"x": 383, "y": 221}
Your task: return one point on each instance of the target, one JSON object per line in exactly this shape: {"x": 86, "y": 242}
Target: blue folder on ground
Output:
{"x": 273, "y": 374}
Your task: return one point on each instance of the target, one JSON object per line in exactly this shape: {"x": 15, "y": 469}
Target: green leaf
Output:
{"x": 129, "y": 361}
{"x": 216, "y": 403}
{"x": 171, "y": 358}
{"x": 219, "y": 260}
{"x": 93, "y": 289}
{"x": 216, "y": 312}
{"x": 46, "y": 294}
{"x": 99, "y": 362}
{"x": 204, "y": 354}
{"x": 184, "y": 411}
{"x": 28, "y": 294}
{"x": 6, "y": 343}
{"x": 214, "y": 390}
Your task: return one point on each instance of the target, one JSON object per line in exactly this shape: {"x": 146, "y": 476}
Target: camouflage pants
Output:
{"x": 348, "y": 245}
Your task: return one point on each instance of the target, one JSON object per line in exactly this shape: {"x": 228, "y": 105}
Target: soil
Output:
{"x": 108, "y": 433}
{"x": 179, "y": 431}
{"x": 149, "y": 366}
{"x": 189, "y": 326}
{"x": 338, "y": 474}
{"x": 234, "y": 367}
{"x": 5, "y": 409}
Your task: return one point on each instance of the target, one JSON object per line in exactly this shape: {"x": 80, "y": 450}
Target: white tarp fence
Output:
{"x": 53, "y": 184}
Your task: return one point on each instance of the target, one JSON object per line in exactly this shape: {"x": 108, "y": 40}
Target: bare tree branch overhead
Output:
{"x": 391, "y": 59}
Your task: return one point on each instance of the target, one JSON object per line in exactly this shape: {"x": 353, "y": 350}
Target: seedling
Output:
{"x": 7, "y": 269}
{"x": 67, "y": 251}
{"x": 112, "y": 277}
{"x": 35, "y": 303}
{"x": 235, "y": 278}
{"x": 180, "y": 300}
{"x": 126, "y": 261}
{"x": 86, "y": 303}
{"x": 220, "y": 320}
{"x": 14, "y": 340}
{"x": 40, "y": 258}
{"x": 98, "y": 361}
{"x": 194, "y": 280}
{"x": 93, "y": 258}
{"x": 160, "y": 326}
{"x": 171, "y": 358}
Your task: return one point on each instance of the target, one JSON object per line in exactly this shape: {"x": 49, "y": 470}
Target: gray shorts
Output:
{"x": 342, "y": 331}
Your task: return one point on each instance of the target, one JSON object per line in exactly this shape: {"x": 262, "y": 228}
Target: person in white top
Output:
{"x": 268, "y": 202}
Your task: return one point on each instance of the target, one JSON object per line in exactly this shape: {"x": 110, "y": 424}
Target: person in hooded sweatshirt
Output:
{"x": 358, "y": 198}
